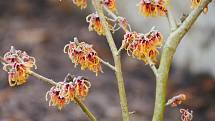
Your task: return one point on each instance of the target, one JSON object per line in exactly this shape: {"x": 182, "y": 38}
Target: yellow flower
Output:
{"x": 143, "y": 46}
{"x": 19, "y": 75}
{"x": 111, "y": 4}
{"x": 83, "y": 54}
{"x": 18, "y": 65}
{"x": 80, "y": 3}
{"x": 153, "y": 7}
{"x": 196, "y": 3}
{"x": 96, "y": 25}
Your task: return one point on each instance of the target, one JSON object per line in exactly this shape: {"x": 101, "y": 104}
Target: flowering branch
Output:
{"x": 50, "y": 81}
{"x": 115, "y": 17}
{"x": 117, "y": 61}
{"x": 166, "y": 59}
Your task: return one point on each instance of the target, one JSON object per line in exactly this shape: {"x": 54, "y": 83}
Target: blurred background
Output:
{"x": 43, "y": 27}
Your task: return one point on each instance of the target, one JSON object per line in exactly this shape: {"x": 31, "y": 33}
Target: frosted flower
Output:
{"x": 18, "y": 65}
{"x": 143, "y": 46}
{"x": 64, "y": 92}
{"x": 153, "y": 7}
{"x": 96, "y": 25}
{"x": 83, "y": 54}
{"x": 57, "y": 98}
{"x": 82, "y": 86}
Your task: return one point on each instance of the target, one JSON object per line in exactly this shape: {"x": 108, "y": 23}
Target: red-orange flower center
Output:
{"x": 153, "y": 7}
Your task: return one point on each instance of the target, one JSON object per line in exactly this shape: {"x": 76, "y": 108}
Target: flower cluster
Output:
{"x": 153, "y": 7}
{"x": 186, "y": 115}
{"x": 196, "y": 3}
{"x": 18, "y": 65}
{"x": 80, "y": 3}
{"x": 143, "y": 46}
{"x": 111, "y": 4}
{"x": 64, "y": 92}
{"x": 96, "y": 25}
{"x": 83, "y": 54}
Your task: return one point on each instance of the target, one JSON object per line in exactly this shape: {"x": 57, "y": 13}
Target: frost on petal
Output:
{"x": 84, "y": 55}
{"x": 143, "y": 46}
{"x": 18, "y": 65}
{"x": 152, "y": 8}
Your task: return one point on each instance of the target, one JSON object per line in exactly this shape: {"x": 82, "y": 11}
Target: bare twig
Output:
{"x": 115, "y": 17}
{"x": 107, "y": 64}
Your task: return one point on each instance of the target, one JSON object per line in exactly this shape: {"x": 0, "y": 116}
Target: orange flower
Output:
{"x": 111, "y": 4}
{"x": 143, "y": 46}
{"x": 129, "y": 37}
{"x": 80, "y": 3}
{"x": 56, "y": 96}
{"x": 153, "y": 7}
{"x": 82, "y": 86}
{"x": 64, "y": 92}
{"x": 83, "y": 54}
{"x": 18, "y": 75}
{"x": 196, "y": 3}
{"x": 19, "y": 63}
{"x": 96, "y": 25}
{"x": 68, "y": 90}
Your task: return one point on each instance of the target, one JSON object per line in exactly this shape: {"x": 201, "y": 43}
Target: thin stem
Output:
{"x": 50, "y": 81}
{"x": 114, "y": 16}
{"x": 107, "y": 64}
{"x": 171, "y": 19}
{"x": 117, "y": 61}
{"x": 152, "y": 66}
{"x": 85, "y": 109}
{"x": 166, "y": 60}
{"x": 42, "y": 78}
